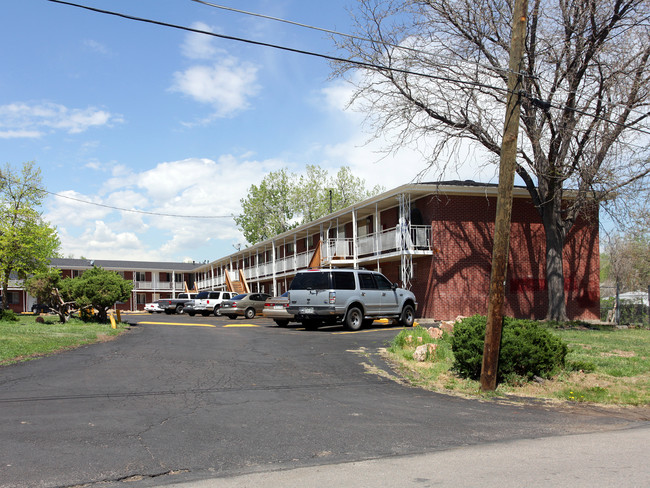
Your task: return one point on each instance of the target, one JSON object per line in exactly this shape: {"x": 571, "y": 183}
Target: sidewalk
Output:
{"x": 617, "y": 459}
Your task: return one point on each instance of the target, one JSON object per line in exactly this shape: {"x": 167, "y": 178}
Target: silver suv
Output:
{"x": 354, "y": 297}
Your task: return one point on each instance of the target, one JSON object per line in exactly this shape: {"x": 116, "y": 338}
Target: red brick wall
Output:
{"x": 456, "y": 280}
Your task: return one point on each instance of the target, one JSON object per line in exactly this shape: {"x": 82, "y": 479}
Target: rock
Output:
{"x": 420, "y": 353}
{"x": 409, "y": 339}
{"x": 424, "y": 352}
{"x": 40, "y": 320}
{"x": 447, "y": 326}
{"x": 435, "y": 332}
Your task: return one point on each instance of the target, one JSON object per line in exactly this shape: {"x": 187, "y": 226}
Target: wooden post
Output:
{"x": 504, "y": 201}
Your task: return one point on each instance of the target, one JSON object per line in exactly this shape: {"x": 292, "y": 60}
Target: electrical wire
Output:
{"x": 343, "y": 60}
{"x": 282, "y": 48}
{"x": 388, "y": 44}
{"x": 111, "y": 207}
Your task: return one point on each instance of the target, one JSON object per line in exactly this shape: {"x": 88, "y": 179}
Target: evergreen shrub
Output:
{"x": 527, "y": 349}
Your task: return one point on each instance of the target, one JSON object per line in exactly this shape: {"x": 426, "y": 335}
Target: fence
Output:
{"x": 629, "y": 308}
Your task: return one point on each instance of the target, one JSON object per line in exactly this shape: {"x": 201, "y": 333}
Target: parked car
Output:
{"x": 40, "y": 308}
{"x": 207, "y": 302}
{"x": 153, "y": 307}
{"x": 246, "y": 304}
{"x": 353, "y": 297}
{"x": 175, "y": 305}
{"x": 276, "y": 308}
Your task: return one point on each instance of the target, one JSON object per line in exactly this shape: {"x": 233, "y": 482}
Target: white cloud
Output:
{"x": 29, "y": 120}
{"x": 371, "y": 158}
{"x": 199, "y": 46}
{"x": 227, "y": 86}
{"x": 96, "y": 46}
{"x": 20, "y": 134}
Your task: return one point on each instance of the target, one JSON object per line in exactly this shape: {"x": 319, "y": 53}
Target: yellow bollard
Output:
{"x": 113, "y": 324}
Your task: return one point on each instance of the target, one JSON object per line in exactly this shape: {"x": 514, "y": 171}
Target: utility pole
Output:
{"x": 504, "y": 201}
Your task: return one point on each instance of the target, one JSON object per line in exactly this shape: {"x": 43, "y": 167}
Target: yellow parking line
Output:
{"x": 176, "y": 323}
{"x": 368, "y": 330}
{"x": 241, "y": 325}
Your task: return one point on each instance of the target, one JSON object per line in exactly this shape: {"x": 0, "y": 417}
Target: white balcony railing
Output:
{"x": 418, "y": 238}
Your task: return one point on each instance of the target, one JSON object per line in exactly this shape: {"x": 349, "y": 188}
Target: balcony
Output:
{"x": 387, "y": 243}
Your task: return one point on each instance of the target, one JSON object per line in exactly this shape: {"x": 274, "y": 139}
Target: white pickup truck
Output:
{"x": 207, "y": 302}
{"x": 175, "y": 305}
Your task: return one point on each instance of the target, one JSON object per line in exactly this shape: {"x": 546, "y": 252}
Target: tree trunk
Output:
{"x": 554, "y": 267}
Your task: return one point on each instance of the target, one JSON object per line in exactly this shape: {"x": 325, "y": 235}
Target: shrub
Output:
{"x": 527, "y": 349}
{"x": 8, "y": 315}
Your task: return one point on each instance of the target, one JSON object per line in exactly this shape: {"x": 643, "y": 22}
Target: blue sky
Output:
{"x": 133, "y": 115}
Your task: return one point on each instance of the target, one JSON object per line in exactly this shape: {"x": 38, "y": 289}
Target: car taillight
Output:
{"x": 332, "y": 297}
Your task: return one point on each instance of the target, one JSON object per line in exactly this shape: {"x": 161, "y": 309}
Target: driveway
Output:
{"x": 179, "y": 399}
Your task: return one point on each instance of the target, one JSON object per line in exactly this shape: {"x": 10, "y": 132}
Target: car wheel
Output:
{"x": 281, "y": 322}
{"x": 353, "y": 319}
{"x": 205, "y": 314}
{"x": 191, "y": 314}
{"x": 179, "y": 308}
{"x": 408, "y": 316}
{"x": 168, "y": 312}
{"x": 250, "y": 313}
{"x": 216, "y": 311}
{"x": 231, "y": 317}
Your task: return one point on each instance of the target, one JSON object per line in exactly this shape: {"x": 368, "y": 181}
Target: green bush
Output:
{"x": 527, "y": 349}
{"x": 8, "y": 315}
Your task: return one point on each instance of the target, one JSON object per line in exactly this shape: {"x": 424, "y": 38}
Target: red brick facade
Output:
{"x": 455, "y": 281}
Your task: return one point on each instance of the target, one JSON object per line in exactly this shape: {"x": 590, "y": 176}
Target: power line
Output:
{"x": 396, "y": 46}
{"x": 277, "y": 46}
{"x": 103, "y": 205}
{"x": 343, "y": 60}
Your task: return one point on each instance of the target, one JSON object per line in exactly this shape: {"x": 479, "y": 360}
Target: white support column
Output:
{"x": 355, "y": 248}
{"x": 273, "y": 257}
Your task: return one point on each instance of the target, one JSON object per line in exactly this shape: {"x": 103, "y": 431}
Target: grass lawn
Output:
{"x": 604, "y": 366}
{"x": 26, "y": 339}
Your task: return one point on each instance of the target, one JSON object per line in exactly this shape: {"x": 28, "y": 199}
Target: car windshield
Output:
{"x": 239, "y": 297}
{"x": 318, "y": 280}
{"x": 202, "y": 295}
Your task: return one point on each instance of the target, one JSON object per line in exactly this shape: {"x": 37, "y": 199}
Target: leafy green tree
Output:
{"x": 45, "y": 287}
{"x": 97, "y": 288}
{"x": 284, "y": 200}
{"x": 27, "y": 242}
{"x": 267, "y": 210}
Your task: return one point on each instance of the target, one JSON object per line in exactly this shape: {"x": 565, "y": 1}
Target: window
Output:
{"x": 367, "y": 282}
{"x": 343, "y": 280}
{"x": 178, "y": 277}
{"x": 383, "y": 283}
{"x": 141, "y": 298}
{"x": 13, "y": 298}
{"x": 316, "y": 280}
{"x": 140, "y": 276}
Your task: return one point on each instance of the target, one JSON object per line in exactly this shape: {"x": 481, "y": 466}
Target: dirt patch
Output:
{"x": 619, "y": 353}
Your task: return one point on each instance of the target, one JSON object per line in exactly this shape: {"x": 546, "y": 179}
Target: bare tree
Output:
{"x": 433, "y": 73}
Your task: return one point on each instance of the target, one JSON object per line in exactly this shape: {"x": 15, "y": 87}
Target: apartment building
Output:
{"x": 433, "y": 238}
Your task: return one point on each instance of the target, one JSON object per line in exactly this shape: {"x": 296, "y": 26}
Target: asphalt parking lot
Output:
{"x": 187, "y": 399}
